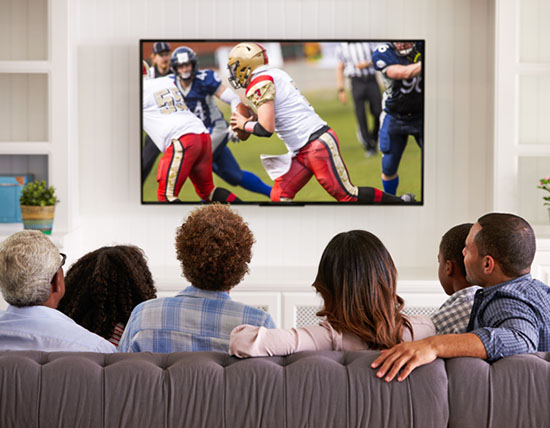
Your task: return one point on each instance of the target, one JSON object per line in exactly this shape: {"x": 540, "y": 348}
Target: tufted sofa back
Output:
{"x": 512, "y": 392}
{"x": 213, "y": 390}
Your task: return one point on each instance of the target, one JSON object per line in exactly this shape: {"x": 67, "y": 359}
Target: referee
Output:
{"x": 355, "y": 62}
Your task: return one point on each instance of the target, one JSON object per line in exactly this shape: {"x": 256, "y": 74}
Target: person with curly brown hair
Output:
{"x": 104, "y": 286}
{"x": 357, "y": 281}
{"x": 214, "y": 247}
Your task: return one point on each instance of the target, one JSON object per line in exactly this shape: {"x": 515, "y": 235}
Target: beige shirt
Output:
{"x": 251, "y": 341}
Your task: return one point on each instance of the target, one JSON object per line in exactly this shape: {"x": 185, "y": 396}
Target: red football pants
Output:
{"x": 189, "y": 156}
{"x": 321, "y": 158}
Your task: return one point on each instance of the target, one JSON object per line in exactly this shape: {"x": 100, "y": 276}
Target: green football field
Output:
{"x": 363, "y": 171}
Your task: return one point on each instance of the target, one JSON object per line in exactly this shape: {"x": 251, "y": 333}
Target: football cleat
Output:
{"x": 408, "y": 198}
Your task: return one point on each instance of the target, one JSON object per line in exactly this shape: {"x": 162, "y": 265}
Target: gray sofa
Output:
{"x": 209, "y": 389}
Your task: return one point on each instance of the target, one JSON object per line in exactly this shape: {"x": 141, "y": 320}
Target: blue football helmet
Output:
{"x": 184, "y": 55}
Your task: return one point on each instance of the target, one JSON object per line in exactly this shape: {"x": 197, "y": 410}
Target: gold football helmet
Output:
{"x": 243, "y": 60}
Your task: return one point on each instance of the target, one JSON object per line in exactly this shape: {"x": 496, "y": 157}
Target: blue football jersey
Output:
{"x": 199, "y": 97}
{"x": 402, "y": 97}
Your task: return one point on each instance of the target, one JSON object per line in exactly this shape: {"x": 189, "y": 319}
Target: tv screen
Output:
{"x": 276, "y": 122}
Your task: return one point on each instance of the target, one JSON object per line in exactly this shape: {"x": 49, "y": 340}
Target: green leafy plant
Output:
{"x": 545, "y": 185}
{"x": 37, "y": 193}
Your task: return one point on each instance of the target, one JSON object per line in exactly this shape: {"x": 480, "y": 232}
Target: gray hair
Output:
{"x": 28, "y": 262}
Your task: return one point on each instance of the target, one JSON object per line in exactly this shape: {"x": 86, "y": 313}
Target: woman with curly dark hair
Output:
{"x": 357, "y": 280}
{"x": 214, "y": 247}
{"x": 104, "y": 286}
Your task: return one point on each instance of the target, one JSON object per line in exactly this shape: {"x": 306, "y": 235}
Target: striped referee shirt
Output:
{"x": 350, "y": 54}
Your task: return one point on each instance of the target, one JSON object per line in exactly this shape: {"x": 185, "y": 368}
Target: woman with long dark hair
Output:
{"x": 104, "y": 286}
{"x": 357, "y": 281}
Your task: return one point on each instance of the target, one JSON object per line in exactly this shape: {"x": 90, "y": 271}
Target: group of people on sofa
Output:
{"x": 107, "y": 301}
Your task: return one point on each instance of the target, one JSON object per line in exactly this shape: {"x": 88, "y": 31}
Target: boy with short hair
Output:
{"x": 453, "y": 316}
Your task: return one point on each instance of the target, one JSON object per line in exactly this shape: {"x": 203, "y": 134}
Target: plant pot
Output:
{"x": 38, "y": 218}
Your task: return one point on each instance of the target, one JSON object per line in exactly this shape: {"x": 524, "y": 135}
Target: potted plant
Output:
{"x": 38, "y": 206}
{"x": 545, "y": 185}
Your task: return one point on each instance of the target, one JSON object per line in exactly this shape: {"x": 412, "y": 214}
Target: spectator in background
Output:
{"x": 32, "y": 282}
{"x": 160, "y": 62}
{"x": 453, "y": 316}
{"x": 214, "y": 247}
{"x": 104, "y": 286}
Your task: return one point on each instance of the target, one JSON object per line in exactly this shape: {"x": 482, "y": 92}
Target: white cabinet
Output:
{"x": 38, "y": 105}
{"x": 522, "y": 141}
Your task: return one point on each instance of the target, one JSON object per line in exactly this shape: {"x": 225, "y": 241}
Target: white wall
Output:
{"x": 458, "y": 126}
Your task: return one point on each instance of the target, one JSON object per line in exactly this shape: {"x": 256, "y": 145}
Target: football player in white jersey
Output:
{"x": 312, "y": 145}
{"x": 160, "y": 67}
{"x": 183, "y": 139}
{"x": 199, "y": 87}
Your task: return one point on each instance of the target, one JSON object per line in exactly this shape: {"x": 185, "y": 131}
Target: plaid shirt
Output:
{"x": 512, "y": 317}
{"x": 454, "y": 314}
{"x": 193, "y": 320}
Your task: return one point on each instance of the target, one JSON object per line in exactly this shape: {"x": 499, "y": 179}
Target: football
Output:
{"x": 246, "y": 111}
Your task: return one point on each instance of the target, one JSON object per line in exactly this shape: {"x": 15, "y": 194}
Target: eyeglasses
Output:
{"x": 63, "y": 258}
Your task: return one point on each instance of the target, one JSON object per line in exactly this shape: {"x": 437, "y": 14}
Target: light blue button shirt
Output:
{"x": 45, "y": 329}
{"x": 193, "y": 320}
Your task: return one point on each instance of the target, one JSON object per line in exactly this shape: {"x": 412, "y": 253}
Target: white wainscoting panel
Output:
{"x": 458, "y": 125}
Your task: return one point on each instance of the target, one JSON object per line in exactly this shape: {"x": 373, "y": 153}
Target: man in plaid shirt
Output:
{"x": 511, "y": 312}
{"x": 214, "y": 247}
{"x": 453, "y": 316}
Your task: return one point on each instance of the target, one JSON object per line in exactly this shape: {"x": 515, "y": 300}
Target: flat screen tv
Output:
{"x": 321, "y": 121}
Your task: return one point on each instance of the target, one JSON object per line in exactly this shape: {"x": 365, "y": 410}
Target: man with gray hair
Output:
{"x": 32, "y": 282}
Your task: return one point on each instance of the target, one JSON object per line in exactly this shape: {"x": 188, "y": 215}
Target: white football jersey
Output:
{"x": 295, "y": 119}
{"x": 165, "y": 115}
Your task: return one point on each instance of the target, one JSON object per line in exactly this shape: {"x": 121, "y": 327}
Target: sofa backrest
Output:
{"x": 512, "y": 392}
{"x": 210, "y": 390}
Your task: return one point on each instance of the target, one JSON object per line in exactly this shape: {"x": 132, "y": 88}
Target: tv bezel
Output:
{"x": 273, "y": 40}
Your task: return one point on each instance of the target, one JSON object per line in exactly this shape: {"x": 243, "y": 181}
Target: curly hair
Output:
{"x": 357, "y": 280}
{"x": 214, "y": 247}
{"x": 104, "y": 286}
